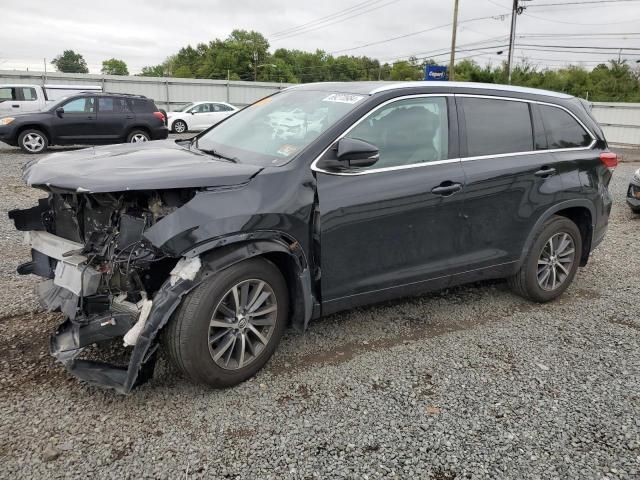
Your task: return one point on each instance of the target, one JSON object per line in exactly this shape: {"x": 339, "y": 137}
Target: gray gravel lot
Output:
{"x": 473, "y": 382}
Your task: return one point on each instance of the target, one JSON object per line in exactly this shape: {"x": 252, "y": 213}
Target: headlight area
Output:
{"x": 104, "y": 276}
{"x": 6, "y": 120}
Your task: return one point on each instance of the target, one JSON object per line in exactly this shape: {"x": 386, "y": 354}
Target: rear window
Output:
{"x": 142, "y": 105}
{"x": 563, "y": 130}
{"x": 497, "y": 126}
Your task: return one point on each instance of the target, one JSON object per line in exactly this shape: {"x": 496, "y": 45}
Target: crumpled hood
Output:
{"x": 143, "y": 166}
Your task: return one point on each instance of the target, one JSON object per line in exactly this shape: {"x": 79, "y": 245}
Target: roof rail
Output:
{"x": 125, "y": 94}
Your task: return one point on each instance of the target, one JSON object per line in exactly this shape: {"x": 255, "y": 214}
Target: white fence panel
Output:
{"x": 620, "y": 122}
{"x": 167, "y": 92}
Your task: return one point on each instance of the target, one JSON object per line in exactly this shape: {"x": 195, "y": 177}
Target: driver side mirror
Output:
{"x": 357, "y": 153}
{"x": 60, "y": 112}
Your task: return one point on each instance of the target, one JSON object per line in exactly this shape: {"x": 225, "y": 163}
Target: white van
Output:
{"x": 31, "y": 98}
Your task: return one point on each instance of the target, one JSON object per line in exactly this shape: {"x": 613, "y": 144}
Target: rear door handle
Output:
{"x": 545, "y": 172}
{"x": 90, "y": 117}
{"x": 447, "y": 188}
{"x": 15, "y": 106}
{"x": 129, "y": 117}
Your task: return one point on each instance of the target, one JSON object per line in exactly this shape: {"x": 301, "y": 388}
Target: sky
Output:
{"x": 145, "y": 32}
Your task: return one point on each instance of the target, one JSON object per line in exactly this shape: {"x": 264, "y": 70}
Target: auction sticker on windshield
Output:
{"x": 343, "y": 98}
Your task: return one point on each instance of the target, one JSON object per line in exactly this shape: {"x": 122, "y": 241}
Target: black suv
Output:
{"x": 89, "y": 118}
{"x": 320, "y": 198}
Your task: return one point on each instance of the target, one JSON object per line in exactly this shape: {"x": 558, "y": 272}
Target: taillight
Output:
{"x": 609, "y": 159}
{"x": 159, "y": 115}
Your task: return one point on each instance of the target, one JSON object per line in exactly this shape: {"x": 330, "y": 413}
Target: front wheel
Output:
{"x": 228, "y": 327}
{"x": 551, "y": 263}
{"x": 33, "y": 141}
{"x": 138, "y": 136}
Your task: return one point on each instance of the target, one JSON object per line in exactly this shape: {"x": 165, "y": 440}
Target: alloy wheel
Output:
{"x": 556, "y": 261}
{"x": 180, "y": 127}
{"x": 139, "y": 137}
{"x": 242, "y": 324}
{"x": 33, "y": 142}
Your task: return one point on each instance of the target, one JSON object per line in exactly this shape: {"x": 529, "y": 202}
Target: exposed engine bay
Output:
{"x": 100, "y": 271}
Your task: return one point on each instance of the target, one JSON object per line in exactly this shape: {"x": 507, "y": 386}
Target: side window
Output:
{"x": 7, "y": 93}
{"x": 563, "y": 131}
{"x": 496, "y": 126}
{"x": 29, "y": 94}
{"x": 140, "y": 105}
{"x": 112, "y": 105}
{"x": 224, "y": 108}
{"x": 408, "y": 131}
{"x": 202, "y": 108}
{"x": 80, "y": 105}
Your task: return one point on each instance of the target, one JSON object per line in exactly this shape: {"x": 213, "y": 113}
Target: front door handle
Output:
{"x": 447, "y": 188}
{"x": 90, "y": 117}
{"x": 545, "y": 172}
{"x": 129, "y": 117}
{"x": 15, "y": 106}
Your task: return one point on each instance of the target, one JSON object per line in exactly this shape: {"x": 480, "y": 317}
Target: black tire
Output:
{"x": 525, "y": 283}
{"x": 186, "y": 338}
{"x": 136, "y": 136}
{"x": 179, "y": 125}
{"x": 33, "y": 141}
{"x": 635, "y": 210}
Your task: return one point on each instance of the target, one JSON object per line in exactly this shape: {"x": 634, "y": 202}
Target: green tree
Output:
{"x": 404, "y": 70}
{"x": 153, "y": 71}
{"x": 113, "y": 66}
{"x": 70, "y": 62}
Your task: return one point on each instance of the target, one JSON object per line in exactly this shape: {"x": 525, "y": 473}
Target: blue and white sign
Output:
{"x": 435, "y": 72}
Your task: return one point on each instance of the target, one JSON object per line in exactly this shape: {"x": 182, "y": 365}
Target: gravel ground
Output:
{"x": 473, "y": 382}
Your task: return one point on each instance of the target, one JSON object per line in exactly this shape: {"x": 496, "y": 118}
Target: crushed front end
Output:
{"x": 107, "y": 279}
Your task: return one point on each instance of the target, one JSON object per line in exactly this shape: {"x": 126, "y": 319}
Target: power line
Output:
{"x": 406, "y": 35}
{"x": 599, "y": 24}
{"x": 339, "y": 20}
{"x": 579, "y": 3}
{"x": 322, "y": 19}
{"x": 579, "y": 47}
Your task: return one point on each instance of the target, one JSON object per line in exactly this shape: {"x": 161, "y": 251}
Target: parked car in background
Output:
{"x": 32, "y": 98}
{"x": 633, "y": 193}
{"x": 216, "y": 243}
{"x": 100, "y": 118}
{"x": 198, "y": 116}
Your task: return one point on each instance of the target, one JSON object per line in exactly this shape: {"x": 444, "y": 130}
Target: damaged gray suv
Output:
{"x": 320, "y": 198}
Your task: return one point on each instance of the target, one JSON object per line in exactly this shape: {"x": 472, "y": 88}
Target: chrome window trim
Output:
{"x": 461, "y": 159}
{"x": 470, "y": 85}
{"x": 385, "y": 169}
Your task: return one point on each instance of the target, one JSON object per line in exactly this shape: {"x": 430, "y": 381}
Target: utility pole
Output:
{"x": 255, "y": 66}
{"x": 515, "y": 11}
{"x": 453, "y": 40}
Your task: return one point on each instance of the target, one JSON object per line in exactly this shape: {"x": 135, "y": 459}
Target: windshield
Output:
{"x": 273, "y": 130}
{"x": 183, "y": 108}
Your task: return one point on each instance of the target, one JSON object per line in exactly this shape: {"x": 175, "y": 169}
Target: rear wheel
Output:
{"x": 33, "y": 141}
{"x": 228, "y": 327}
{"x": 138, "y": 136}
{"x": 179, "y": 126}
{"x": 552, "y": 261}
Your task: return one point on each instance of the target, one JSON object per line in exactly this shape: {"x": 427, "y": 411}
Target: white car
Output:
{"x": 198, "y": 116}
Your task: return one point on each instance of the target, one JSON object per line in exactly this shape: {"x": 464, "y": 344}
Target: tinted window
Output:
{"x": 29, "y": 94}
{"x": 80, "y": 105}
{"x": 202, "y": 108}
{"x": 141, "y": 106}
{"x": 223, "y": 108}
{"x": 7, "y": 93}
{"x": 497, "y": 126}
{"x": 112, "y": 105}
{"x": 407, "y": 132}
{"x": 563, "y": 131}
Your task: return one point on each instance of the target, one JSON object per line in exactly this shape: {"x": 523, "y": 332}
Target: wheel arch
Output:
{"x": 180, "y": 119}
{"x": 580, "y": 212}
{"x": 283, "y": 251}
{"x": 131, "y": 129}
{"x": 35, "y": 126}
